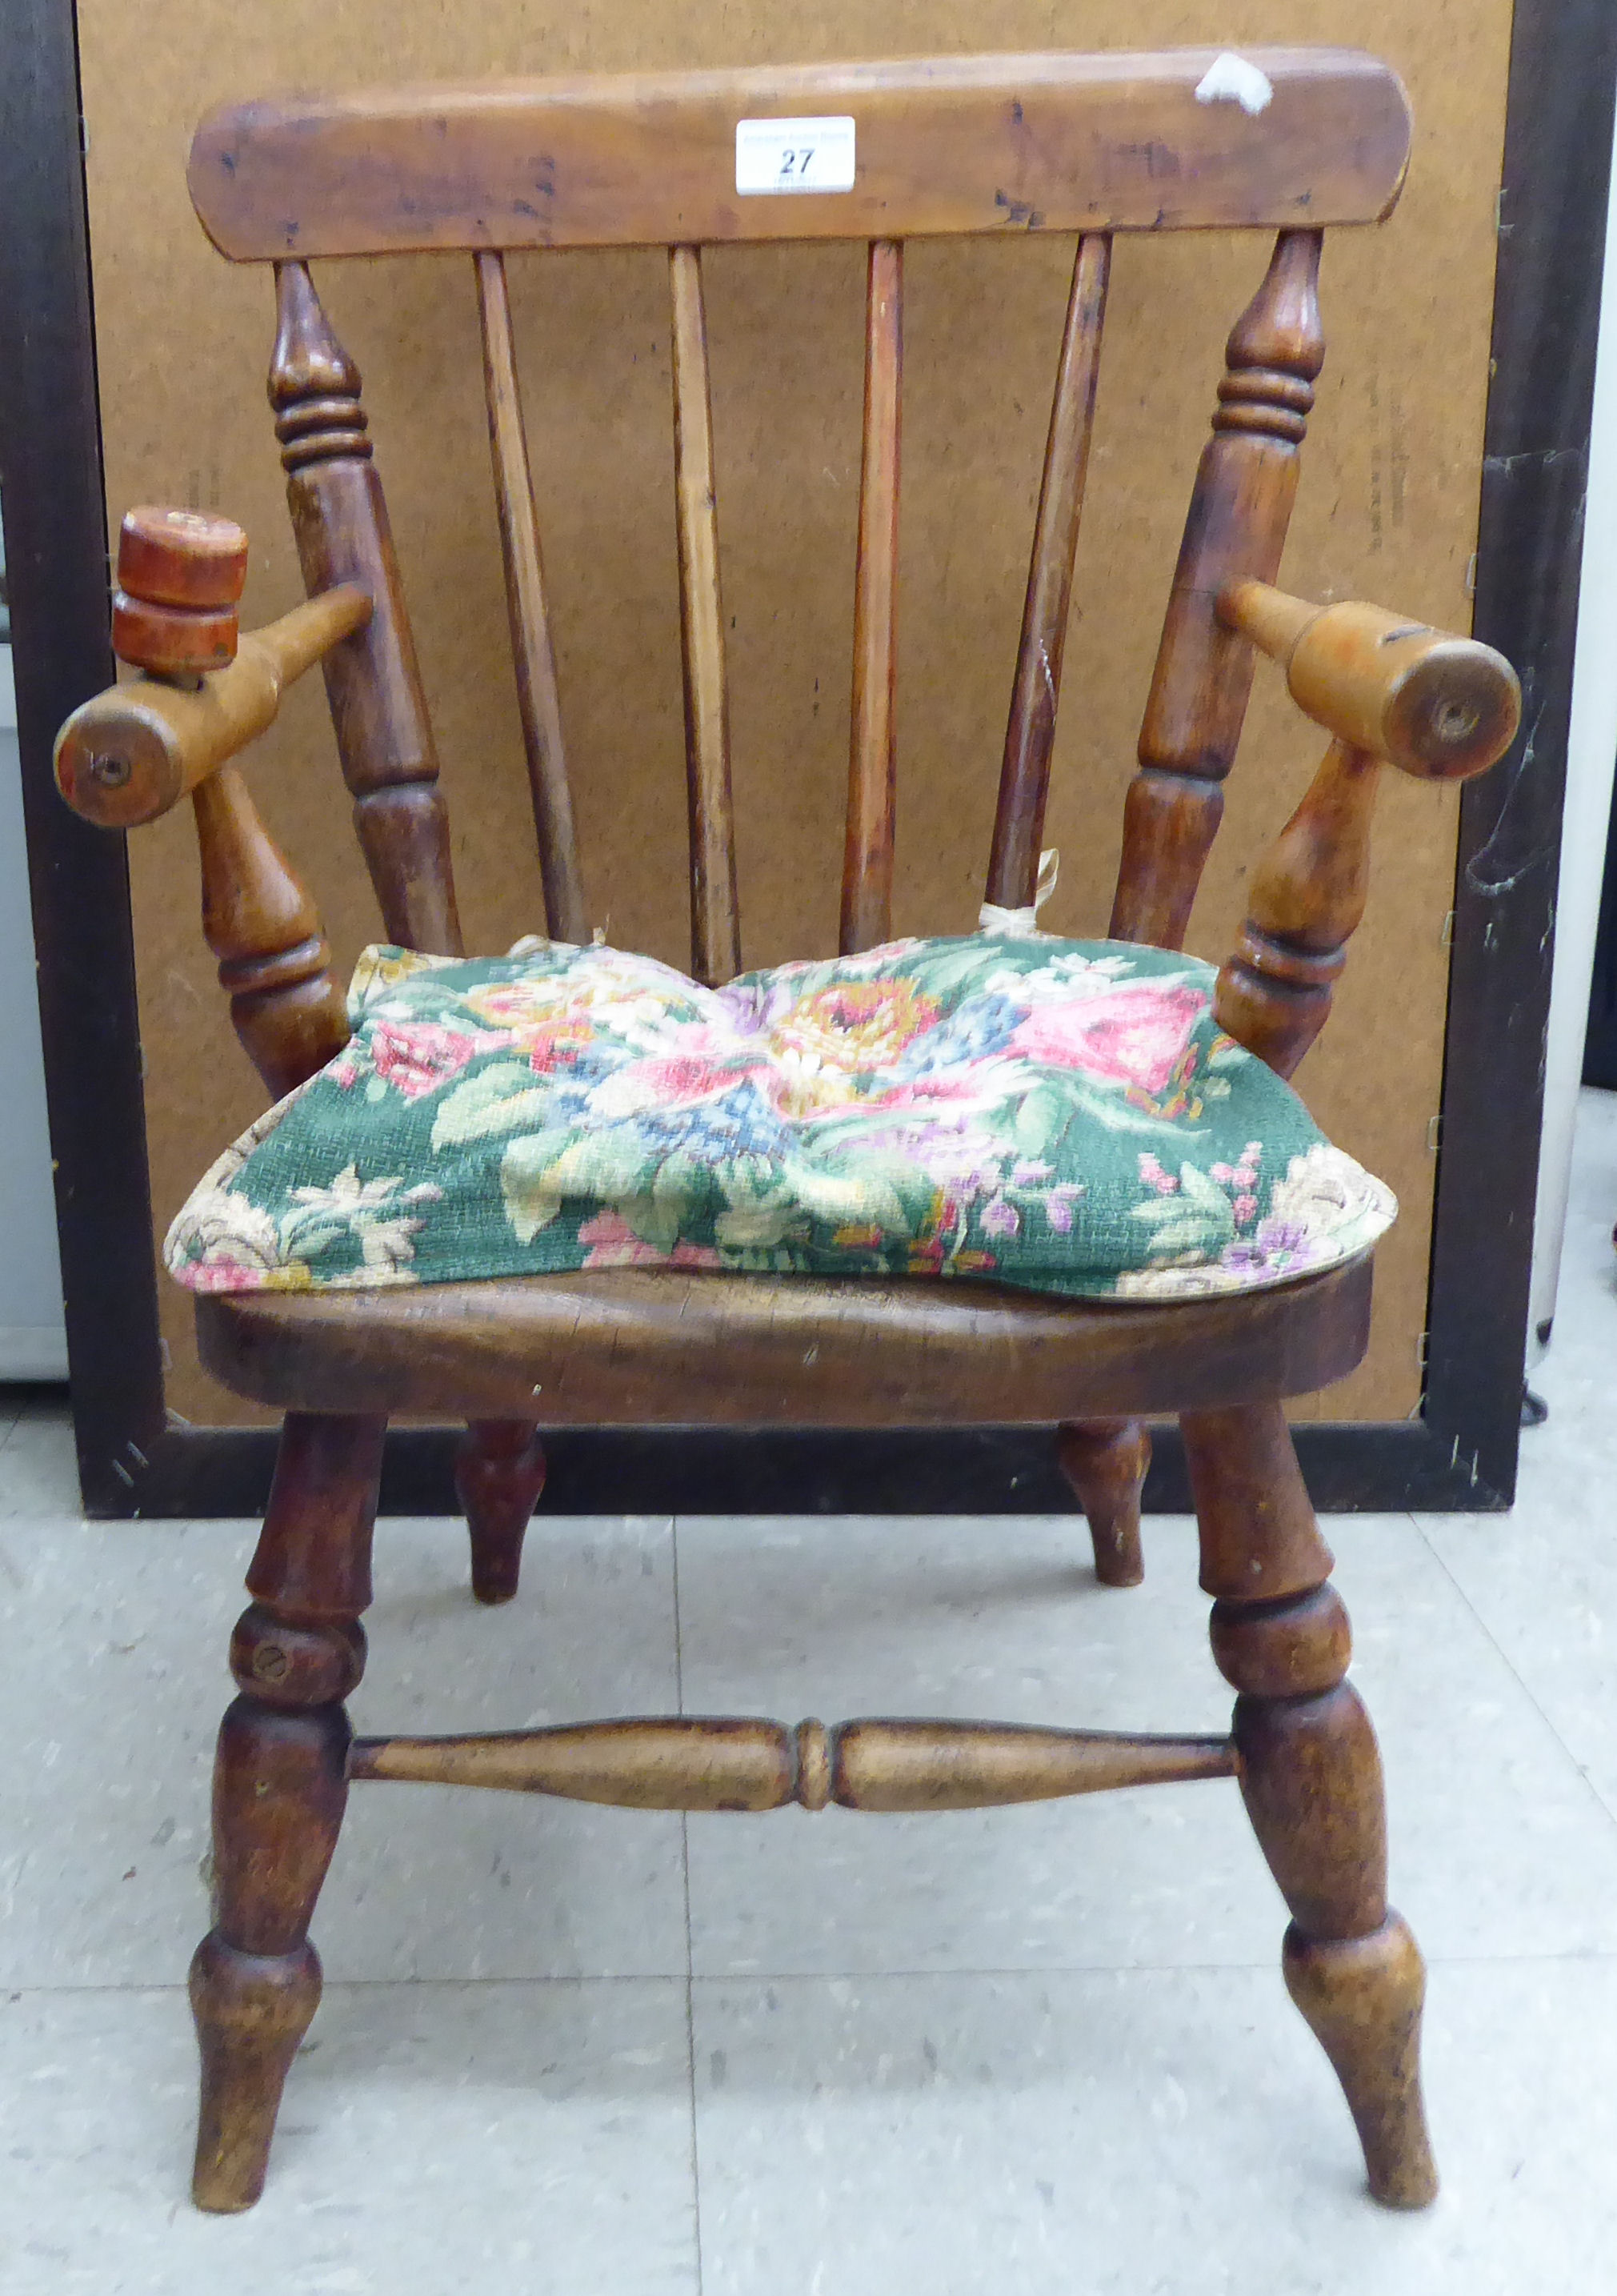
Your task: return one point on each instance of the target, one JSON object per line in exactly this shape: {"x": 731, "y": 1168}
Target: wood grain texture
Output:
{"x": 1241, "y": 507}
{"x": 131, "y": 752}
{"x": 412, "y": 325}
{"x": 867, "y": 867}
{"x": 1019, "y": 822}
{"x": 129, "y": 755}
{"x": 631, "y": 1346}
{"x": 1438, "y": 707}
{"x": 180, "y": 577}
{"x": 274, "y": 960}
{"x": 538, "y": 699}
{"x": 1051, "y": 142}
{"x": 1314, "y": 1795}
{"x": 739, "y": 1763}
{"x": 1308, "y": 897}
{"x": 1298, "y": 1647}
{"x": 1105, "y": 1461}
{"x": 1259, "y": 1539}
{"x": 280, "y": 1787}
{"x": 172, "y": 640}
{"x": 187, "y": 558}
{"x": 251, "y": 2011}
{"x": 373, "y": 681}
{"x": 1362, "y": 1999}
{"x": 715, "y": 920}
{"x": 1310, "y": 1779}
{"x": 499, "y": 1475}
{"x": 312, "y": 1562}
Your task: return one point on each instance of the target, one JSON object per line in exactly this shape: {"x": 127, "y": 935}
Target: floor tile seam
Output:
{"x": 690, "y": 2087}
{"x": 1268, "y": 1963}
{"x": 679, "y": 1653}
{"x": 692, "y": 2102}
{"x": 1503, "y": 1655}
{"x": 13, "y": 1994}
{"x": 1600, "y": 1796}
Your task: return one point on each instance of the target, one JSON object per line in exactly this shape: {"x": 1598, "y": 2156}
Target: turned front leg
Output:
{"x": 1310, "y": 1777}
{"x": 280, "y": 1786}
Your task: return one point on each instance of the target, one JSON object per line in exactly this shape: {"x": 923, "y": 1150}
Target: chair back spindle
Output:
{"x": 716, "y": 926}
{"x": 866, "y": 869}
{"x": 373, "y": 683}
{"x": 538, "y": 701}
{"x": 1235, "y": 528}
{"x": 1018, "y": 827}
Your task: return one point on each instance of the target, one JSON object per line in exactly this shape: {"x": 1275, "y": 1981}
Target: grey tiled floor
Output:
{"x": 1045, "y": 2050}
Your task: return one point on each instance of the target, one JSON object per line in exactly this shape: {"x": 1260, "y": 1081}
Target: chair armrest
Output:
{"x": 1439, "y": 707}
{"x": 128, "y": 756}
{"x": 1388, "y": 692}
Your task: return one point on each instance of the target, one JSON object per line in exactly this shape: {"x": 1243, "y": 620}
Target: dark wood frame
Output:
{"x": 1460, "y": 1453}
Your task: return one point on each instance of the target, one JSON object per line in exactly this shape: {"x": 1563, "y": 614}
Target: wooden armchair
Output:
{"x": 1293, "y": 140}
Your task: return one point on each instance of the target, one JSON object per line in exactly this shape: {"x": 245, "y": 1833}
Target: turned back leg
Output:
{"x": 1310, "y": 1777}
{"x": 1105, "y": 1462}
{"x": 280, "y": 1785}
{"x": 499, "y": 1475}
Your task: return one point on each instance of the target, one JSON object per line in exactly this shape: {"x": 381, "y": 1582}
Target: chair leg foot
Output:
{"x": 1105, "y": 1462}
{"x": 1362, "y": 1999}
{"x": 1311, "y": 1778}
{"x": 499, "y": 1475}
{"x": 251, "y": 2011}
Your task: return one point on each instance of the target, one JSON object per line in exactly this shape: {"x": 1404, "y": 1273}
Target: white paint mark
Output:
{"x": 1232, "y": 79}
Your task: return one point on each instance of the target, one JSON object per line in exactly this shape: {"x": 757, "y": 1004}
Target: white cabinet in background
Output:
{"x": 33, "y": 1344}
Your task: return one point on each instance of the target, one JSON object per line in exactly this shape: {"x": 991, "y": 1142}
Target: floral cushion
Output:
{"x": 1062, "y": 1115}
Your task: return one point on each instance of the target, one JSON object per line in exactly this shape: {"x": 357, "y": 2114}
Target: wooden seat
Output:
{"x": 1291, "y": 141}
{"x": 638, "y": 1346}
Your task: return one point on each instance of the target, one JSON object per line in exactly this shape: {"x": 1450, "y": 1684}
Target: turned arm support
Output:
{"x": 128, "y": 756}
{"x": 1388, "y": 692}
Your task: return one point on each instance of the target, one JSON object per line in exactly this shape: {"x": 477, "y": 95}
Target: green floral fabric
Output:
{"x": 1061, "y": 1115}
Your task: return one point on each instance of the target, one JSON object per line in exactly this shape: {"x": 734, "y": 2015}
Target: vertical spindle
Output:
{"x": 715, "y": 927}
{"x": 867, "y": 872}
{"x": 1018, "y": 827}
{"x": 532, "y": 653}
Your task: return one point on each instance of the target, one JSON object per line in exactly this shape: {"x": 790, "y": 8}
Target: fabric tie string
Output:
{"x": 1022, "y": 922}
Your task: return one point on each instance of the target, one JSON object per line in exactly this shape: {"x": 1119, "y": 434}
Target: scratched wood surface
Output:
{"x": 1386, "y": 510}
{"x": 1060, "y": 142}
{"x": 628, "y": 1347}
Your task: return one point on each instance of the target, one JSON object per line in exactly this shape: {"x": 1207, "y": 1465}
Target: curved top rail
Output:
{"x": 1185, "y": 138}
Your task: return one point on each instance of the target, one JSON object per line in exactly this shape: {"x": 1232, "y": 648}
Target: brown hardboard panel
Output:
{"x": 1387, "y": 510}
